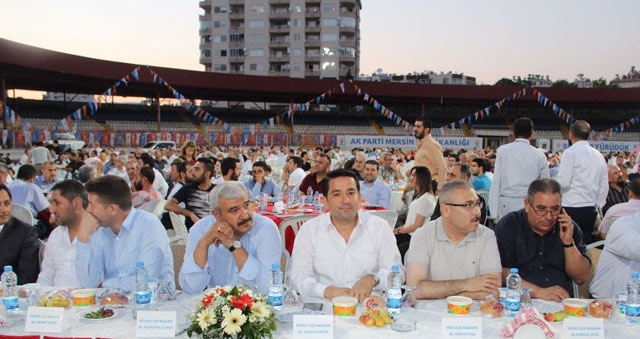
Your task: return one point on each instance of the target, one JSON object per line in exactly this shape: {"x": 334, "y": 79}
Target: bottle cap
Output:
{"x": 395, "y": 268}
{"x": 514, "y": 270}
{"x": 139, "y": 264}
{"x": 634, "y": 275}
{"x": 275, "y": 266}
{"x": 8, "y": 268}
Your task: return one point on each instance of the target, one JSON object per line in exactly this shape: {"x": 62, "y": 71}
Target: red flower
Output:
{"x": 206, "y": 300}
{"x": 243, "y": 302}
{"x": 220, "y": 291}
{"x": 246, "y": 300}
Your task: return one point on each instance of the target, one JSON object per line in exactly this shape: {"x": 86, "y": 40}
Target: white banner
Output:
{"x": 353, "y": 141}
{"x": 604, "y": 146}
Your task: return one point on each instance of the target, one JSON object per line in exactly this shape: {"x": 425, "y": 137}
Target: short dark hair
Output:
{"x": 426, "y": 121}
{"x": 349, "y": 163}
{"x": 26, "y": 172}
{"x": 326, "y": 156}
{"x": 580, "y": 129}
{"x": 634, "y": 186}
{"x": 209, "y": 166}
{"x": 146, "y": 160}
{"x": 337, "y": 173}
{"x": 296, "y": 160}
{"x": 465, "y": 170}
{"x": 522, "y": 128}
{"x": 372, "y": 162}
{"x": 260, "y": 164}
{"x": 182, "y": 166}
{"x": 453, "y": 155}
{"x": 544, "y": 185}
{"x": 111, "y": 189}
{"x": 71, "y": 189}
{"x": 4, "y": 187}
{"x": 227, "y": 164}
{"x": 484, "y": 163}
{"x": 147, "y": 172}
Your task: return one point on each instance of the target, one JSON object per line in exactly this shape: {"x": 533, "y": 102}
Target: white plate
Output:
{"x": 116, "y": 313}
{"x": 529, "y": 331}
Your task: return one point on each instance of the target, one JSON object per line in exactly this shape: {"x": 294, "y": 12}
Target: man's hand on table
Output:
{"x": 555, "y": 293}
{"x": 332, "y": 291}
{"x": 362, "y": 288}
{"x": 487, "y": 283}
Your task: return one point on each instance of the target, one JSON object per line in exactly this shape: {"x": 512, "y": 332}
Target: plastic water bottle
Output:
{"x": 299, "y": 197}
{"x": 513, "y": 293}
{"x": 262, "y": 198}
{"x": 143, "y": 294}
{"x": 291, "y": 198}
{"x": 316, "y": 202}
{"x": 394, "y": 292}
{"x": 275, "y": 287}
{"x": 633, "y": 299}
{"x": 309, "y": 196}
{"x": 10, "y": 291}
{"x": 392, "y": 180}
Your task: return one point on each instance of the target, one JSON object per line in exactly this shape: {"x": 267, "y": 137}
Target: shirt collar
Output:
{"x": 441, "y": 235}
{"x": 128, "y": 221}
{"x": 331, "y": 226}
{"x": 522, "y": 140}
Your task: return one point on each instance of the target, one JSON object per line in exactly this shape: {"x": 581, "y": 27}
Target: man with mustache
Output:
{"x": 454, "y": 254}
{"x": 429, "y": 152}
{"x": 618, "y": 188}
{"x": 233, "y": 245}
{"x": 346, "y": 252}
{"x": 543, "y": 243}
{"x": 144, "y": 188}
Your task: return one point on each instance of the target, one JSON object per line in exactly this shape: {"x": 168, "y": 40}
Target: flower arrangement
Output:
{"x": 232, "y": 312}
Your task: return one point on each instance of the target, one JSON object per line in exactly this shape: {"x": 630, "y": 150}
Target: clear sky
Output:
{"x": 488, "y": 39}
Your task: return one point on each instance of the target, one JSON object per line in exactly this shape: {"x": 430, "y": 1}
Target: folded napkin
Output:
{"x": 528, "y": 315}
{"x": 278, "y": 207}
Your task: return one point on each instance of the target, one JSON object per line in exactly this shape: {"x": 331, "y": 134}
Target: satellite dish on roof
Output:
{"x": 379, "y": 70}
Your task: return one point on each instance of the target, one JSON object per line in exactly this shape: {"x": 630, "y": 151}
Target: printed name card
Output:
{"x": 156, "y": 324}
{"x": 312, "y": 326}
{"x": 44, "y": 319}
{"x": 583, "y": 328}
{"x": 461, "y": 327}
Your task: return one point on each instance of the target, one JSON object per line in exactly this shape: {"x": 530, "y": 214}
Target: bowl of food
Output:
{"x": 458, "y": 304}
{"x": 54, "y": 299}
{"x": 115, "y": 299}
{"x": 84, "y": 297}
{"x": 600, "y": 309}
{"x": 491, "y": 307}
{"x": 575, "y": 307}
{"x": 344, "y": 306}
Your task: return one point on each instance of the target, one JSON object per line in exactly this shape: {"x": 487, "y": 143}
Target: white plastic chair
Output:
{"x": 390, "y": 216}
{"x": 576, "y": 288}
{"x": 294, "y": 223}
{"x": 155, "y": 207}
{"x": 22, "y": 213}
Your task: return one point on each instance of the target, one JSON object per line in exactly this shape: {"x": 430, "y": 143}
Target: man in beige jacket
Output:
{"x": 429, "y": 152}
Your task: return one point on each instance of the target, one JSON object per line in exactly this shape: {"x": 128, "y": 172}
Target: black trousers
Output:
{"x": 585, "y": 217}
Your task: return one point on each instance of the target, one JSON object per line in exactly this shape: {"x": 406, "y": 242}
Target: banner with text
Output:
{"x": 604, "y": 146}
{"x": 353, "y": 141}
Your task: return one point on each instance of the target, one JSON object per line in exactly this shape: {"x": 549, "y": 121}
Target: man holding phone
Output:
{"x": 543, "y": 243}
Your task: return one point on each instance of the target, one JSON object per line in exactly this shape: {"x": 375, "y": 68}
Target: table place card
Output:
{"x": 156, "y": 324}
{"x": 312, "y": 326}
{"x": 44, "y": 319}
{"x": 467, "y": 327}
{"x": 583, "y": 328}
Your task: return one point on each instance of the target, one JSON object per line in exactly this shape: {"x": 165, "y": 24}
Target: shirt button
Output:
{"x": 547, "y": 279}
{"x": 541, "y": 267}
{"x": 540, "y": 253}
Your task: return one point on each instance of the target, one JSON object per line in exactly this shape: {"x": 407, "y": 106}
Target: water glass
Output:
{"x": 409, "y": 299}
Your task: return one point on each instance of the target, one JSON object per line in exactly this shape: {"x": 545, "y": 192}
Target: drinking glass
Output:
{"x": 409, "y": 299}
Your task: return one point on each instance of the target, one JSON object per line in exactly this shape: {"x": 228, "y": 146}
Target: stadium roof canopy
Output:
{"x": 32, "y": 68}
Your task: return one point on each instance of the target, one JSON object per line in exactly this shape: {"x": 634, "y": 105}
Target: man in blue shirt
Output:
{"x": 372, "y": 189}
{"x": 479, "y": 169}
{"x": 260, "y": 184}
{"x": 113, "y": 236}
{"x": 232, "y": 246}
{"x": 48, "y": 179}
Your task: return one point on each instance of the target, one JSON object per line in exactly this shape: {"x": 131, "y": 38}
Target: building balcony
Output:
{"x": 312, "y": 43}
{"x": 347, "y": 59}
{"x": 308, "y": 73}
{"x": 236, "y": 44}
{"x": 204, "y": 4}
{"x": 312, "y": 13}
{"x": 312, "y": 58}
{"x": 236, "y": 59}
{"x": 312, "y": 29}
{"x": 279, "y": 15}
{"x": 205, "y": 59}
{"x": 205, "y": 45}
{"x": 236, "y": 15}
{"x": 236, "y": 29}
{"x": 348, "y": 42}
{"x": 279, "y": 29}
{"x": 205, "y": 31}
{"x": 236, "y": 2}
{"x": 279, "y": 43}
{"x": 345, "y": 29}
{"x": 279, "y": 58}
{"x": 205, "y": 17}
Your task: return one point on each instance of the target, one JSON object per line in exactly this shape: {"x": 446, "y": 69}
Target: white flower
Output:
{"x": 226, "y": 309}
{"x": 227, "y": 288}
{"x": 205, "y": 318}
{"x": 252, "y": 318}
{"x": 233, "y": 321}
{"x": 260, "y": 310}
{"x": 249, "y": 293}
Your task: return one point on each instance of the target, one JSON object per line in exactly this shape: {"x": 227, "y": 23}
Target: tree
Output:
{"x": 602, "y": 83}
{"x": 563, "y": 83}
{"x": 505, "y": 82}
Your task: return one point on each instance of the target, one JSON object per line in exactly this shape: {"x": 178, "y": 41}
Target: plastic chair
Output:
{"x": 594, "y": 255}
{"x": 155, "y": 207}
{"x": 390, "y": 216}
{"x": 22, "y": 213}
{"x": 294, "y": 224}
{"x": 178, "y": 248}
{"x": 178, "y": 223}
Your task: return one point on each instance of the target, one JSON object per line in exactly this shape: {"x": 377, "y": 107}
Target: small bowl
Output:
{"x": 344, "y": 306}
{"x": 575, "y": 307}
{"x": 458, "y": 304}
{"x": 84, "y": 297}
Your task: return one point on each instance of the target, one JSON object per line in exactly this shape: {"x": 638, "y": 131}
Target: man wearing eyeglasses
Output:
{"x": 543, "y": 243}
{"x": 454, "y": 254}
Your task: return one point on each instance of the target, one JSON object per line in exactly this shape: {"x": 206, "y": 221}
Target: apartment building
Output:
{"x": 292, "y": 38}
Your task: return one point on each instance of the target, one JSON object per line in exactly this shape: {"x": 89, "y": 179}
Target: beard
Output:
{"x": 138, "y": 186}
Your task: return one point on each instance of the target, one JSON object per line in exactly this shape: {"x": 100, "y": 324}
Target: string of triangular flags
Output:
{"x": 15, "y": 120}
{"x": 385, "y": 111}
{"x": 603, "y": 135}
{"x": 557, "y": 110}
{"x": 92, "y": 106}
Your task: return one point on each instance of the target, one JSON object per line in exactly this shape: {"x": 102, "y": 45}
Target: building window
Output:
{"x": 235, "y": 37}
{"x": 205, "y": 39}
{"x": 329, "y": 66}
{"x": 297, "y": 22}
{"x": 296, "y": 8}
{"x": 297, "y": 52}
{"x": 236, "y": 52}
{"x": 297, "y": 67}
{"x": 329, "y": 7}
{"x": 313, "y": 53}
{"x": 256, "y": 52}
{"x": 219, "y": 38}
{"x": 256, "y": 37}
{"x": 220, "y": 67}
{"x": 219, "y": 24}
{"x": 330, "y": 22}
{"x": 220, "y": 52}
{"x": 221, "y": 9}
{"x": 326, "y": 51}
{"x": 205, "y": 53}
{"x": 329, "y": 37}
{"x": 205, "y": 25}
{"x": 347, "y": 22}
{"x": 296, "y": 37}
{"x": 347, "y": 51}
{"x": 257, "y": 9}
{"x": 256, "y": 23}
{"x": 256, "y": 67}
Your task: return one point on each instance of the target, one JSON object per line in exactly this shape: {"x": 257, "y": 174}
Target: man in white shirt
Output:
{"x": 159, "y": 184}
{"x": 619, "y": 258}
{"x": 68, "y": 204}
{"x": 296, "y": 174}
{"x": 345, "y": 252}
{"x": 455, "y": 254}
{"x": 39, "y": 155}
{"x": 118, "y": 168}
{"x": 584, "y": 179}
{"x": 26, "y": 193}
{"x": 517, "y": 165}
{"x": 623, "y": 209}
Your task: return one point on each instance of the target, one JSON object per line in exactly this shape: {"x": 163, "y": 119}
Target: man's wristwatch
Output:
{"x": 375, "y": 279}
{"x": 570, "y": 245}
{"x": 235, "y": 246}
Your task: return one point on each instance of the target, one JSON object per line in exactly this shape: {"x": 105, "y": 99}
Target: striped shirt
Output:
{"x": 615, "y": 197}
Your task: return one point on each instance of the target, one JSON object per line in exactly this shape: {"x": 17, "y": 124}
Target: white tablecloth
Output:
{"x": 428, "y": 315}
{"x": 396, "y": 202}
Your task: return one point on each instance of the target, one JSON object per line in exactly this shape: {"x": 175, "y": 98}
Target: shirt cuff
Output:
{"x": 250, "y": 269}
{"x": 318, "y": 290}
{"x": 190, "y": 266}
